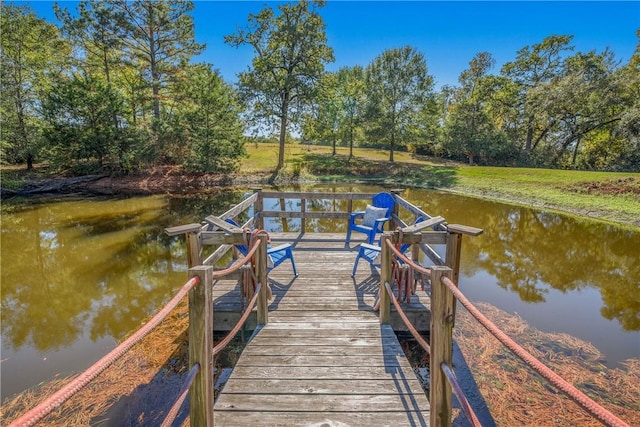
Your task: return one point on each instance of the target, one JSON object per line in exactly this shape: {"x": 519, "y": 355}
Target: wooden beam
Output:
{"x": 289, "y": 214}
{"x": 464, "y": 229}
{"x": 182, "y": 229}
{"x": 423, "y": 224}
{"x": 221, "y": 223}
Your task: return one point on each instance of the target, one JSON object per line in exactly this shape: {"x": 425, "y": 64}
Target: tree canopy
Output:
{"x": 114, "y": 88}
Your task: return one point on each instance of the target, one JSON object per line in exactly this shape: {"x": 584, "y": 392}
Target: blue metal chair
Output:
{"x": 373, "y": 218}
{"x": 277, "y": 254}
{"x": 371, "y": 252}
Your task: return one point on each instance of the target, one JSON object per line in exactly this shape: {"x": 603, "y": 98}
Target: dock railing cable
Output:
{"x": 54, "y": 401}
{"x": 58, "y": 398}
{"x": 593, "y": 408}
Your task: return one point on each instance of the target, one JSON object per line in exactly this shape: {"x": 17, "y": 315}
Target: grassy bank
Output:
{"x": 609, "y": 196}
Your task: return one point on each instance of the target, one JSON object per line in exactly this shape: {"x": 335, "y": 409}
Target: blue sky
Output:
{"x": 449, "y": 33}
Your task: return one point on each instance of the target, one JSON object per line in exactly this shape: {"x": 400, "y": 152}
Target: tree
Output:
{"x": 290, "y": 52}
{"x": 470, "y": 128}
{"x": 32, "y": 53}
{"x": 398, "y": 86}
{"x": 210, "y": 114}
{"x": 322, "y": 121}
{"x": 159, "y": 36}
{"x": 351, "y": 90}
{"x": 80, "y": 132}
{"x": 534, "y": 66}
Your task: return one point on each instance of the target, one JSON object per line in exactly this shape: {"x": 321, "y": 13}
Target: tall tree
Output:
{"x": 159, "y": 35}
{"x": 211, "y": 117}
{"x": 534, "y": 66}
{"x": 398, "y": 86}
{"x": 351, "y": 90}
{"x": 32, "y": 53}
{"x": 290, "y": 53}
{"x": 470, "y": 129}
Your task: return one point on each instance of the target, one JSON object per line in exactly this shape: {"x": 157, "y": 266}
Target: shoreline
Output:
{"x": 169, "y": 181}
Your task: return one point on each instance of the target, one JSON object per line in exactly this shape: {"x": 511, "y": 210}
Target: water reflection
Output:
{"x": 77, "y": 276}
{"x": 530, "y": 252}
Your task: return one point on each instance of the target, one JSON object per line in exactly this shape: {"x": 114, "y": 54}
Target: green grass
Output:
{"x": 609, "y": 196}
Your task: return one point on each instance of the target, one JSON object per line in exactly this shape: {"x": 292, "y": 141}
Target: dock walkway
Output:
{"x": 323, "y": 358}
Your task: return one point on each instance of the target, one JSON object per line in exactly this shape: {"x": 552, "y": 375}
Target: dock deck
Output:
{"x": 323, "y": 358}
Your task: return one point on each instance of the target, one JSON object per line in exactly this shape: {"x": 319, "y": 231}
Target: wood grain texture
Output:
{"x": 323, "y": 358}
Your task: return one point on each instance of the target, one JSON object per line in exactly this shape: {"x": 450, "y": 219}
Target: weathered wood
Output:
{"x": 315, "y": 387}
{"x": 258, "y": 207}
{"x": 222, "y": 238}
{"x": 221, "y": 223}
{"x": 261, "y": 274}
{"x": 240, "y": 207}
{"x": 385, "y": 276}
{"x": 217, "y": 255}
{"x": 310, "y": 195}
{"x": 194, "y": 249}
{"x": 182, "y": 229}
{"x": 452, "y": 255}
{"x": 315, "y": 418}
{"x": 423, "y": 224}
{"x": 464, "y": 229}
{"x": 441, "y": 342}
{"x": 293, "y": 214}
{"x": 200, "y": 347}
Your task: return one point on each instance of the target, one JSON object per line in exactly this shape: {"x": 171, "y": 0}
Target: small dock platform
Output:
{"x": 323, "y": 358}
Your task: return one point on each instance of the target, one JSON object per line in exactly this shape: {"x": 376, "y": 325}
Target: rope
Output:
{"x": 173, "y": 412}
{"x": 406, "y": 321}
{"x": 250, "y": 280}
{"x": 466, "y": 407}
{"x": 236, "y": 328}
{"x": 58, "y": 398}
{"x": 602, "y": 414}
{"x": 413, "y": 265}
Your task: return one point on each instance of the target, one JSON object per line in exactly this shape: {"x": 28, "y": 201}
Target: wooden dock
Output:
{"x": 323, "y": 358}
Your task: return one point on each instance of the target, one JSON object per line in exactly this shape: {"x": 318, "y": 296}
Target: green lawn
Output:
{"x": 609, "y": 196}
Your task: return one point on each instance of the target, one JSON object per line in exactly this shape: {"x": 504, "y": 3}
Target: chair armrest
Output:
{"x": 357, "y": 214}
{"x": 278, "y": 248}
{"x": 379, "y": 223}
{"x": 371, "y": 247}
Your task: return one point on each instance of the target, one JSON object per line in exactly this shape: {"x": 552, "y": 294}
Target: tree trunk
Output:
{"x": 283, "y": 129}
{"x": 527, "y": 145}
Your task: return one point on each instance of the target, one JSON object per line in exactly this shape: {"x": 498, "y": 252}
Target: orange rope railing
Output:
{"x": 222, "y": 344}
{"x": 593, "y": 408}
{"x": 462, "y": 399}
{"x": 65, "y": 393}
{"x": 173, "y": 412}
{"x": 58, "y": 398}
{"x": 423, "y": 343}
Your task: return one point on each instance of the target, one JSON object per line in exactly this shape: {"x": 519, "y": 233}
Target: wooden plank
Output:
{"x": 323, "y": 351}
{"x": 221, "y": 223}
{"x": 317, "y": 195}
{"x": 314, "y": 418}
{"x": 323, "y": 372}
{"x": 182, "y": 229}
{"x": 307, "y": 214}
{"x": 317, "y": 402}
{"x": 312, "y": 387}
{"x": 464, "y": 229}
{"x": 423, "y": 224}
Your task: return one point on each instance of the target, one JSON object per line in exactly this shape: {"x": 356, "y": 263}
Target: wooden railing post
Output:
{"x": 258, "y": 207}
{"x": 452, "y": 255}
{"x": 396, "y": 207}
{"x": 441, "y": 333}
{"x": 194, "y": 249}
{"x": 303, "y": 220}
{"x": 385, "y": 276}
{"x": 261, "y": 274}
{"x": 201, "y": 346}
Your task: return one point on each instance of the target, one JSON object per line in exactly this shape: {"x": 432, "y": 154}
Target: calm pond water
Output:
{"x": 78, "y": 275}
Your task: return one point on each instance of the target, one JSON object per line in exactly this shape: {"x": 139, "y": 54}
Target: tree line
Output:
{"x": 113, "y": 88}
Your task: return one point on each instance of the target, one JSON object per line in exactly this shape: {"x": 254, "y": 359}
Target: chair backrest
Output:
{"x": 384, "y": 200}
{"x": 242, "y": 248}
